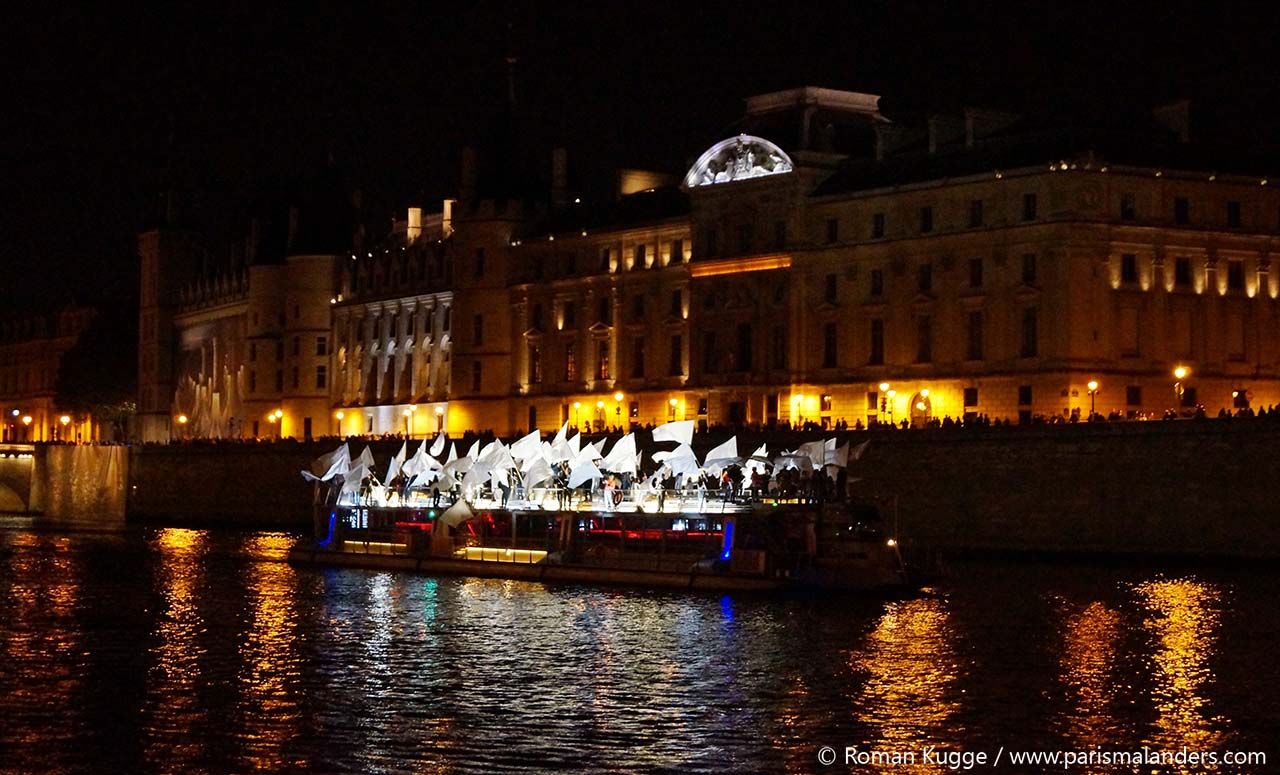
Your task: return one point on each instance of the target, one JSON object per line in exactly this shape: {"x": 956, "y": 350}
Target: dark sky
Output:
{"x": 237, "y": 104}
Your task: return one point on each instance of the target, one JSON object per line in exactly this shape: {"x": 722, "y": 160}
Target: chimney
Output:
{"x": 1176, "y": 117}
{"x": 446, "y": 218}
{"x": 467, "y": 189}
{"x": 414, "y": 230}
{"x": 559, "y": 176}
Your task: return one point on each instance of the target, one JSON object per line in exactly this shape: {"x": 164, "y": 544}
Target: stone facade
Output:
{"x": 825, "y": 265}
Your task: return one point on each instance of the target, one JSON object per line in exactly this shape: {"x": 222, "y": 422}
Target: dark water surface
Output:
{"x": 176, "y": 651}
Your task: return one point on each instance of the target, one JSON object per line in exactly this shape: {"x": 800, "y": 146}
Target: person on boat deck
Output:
{"x": 608, "y": 492}
{"x": 504, "y": 488}
{"x": 366, "y": 489}
{"x": 435, "y": 496}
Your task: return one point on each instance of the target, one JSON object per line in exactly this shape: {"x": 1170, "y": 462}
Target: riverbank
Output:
{"x": 1185, "y": 488}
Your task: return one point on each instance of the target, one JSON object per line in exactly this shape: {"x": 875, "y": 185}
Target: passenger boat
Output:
{"x": 652, "y": 536}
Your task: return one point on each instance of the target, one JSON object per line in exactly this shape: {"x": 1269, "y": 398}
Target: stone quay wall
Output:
{"x": 1204, "y": 488}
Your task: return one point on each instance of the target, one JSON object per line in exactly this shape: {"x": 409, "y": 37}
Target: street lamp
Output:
{"x": 617, "y": 410}
{"x": 891, "y": 394}
{"x": 439, "y": 417}
{"x": 338, "y": 415}
{"x": 1093, "y": 397}
{"x": 671, "y": 410}
{"x": 1180, "y": 373}
{"x": 600, "y": 414}
{"x": 576, "y": 406}
{"x": 797, "y": 411}
{"x": 408, "y": 420}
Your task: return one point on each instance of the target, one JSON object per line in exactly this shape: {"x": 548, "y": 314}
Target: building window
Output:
{"x": 925, "y": 277}
{"x": 1133, "y": 395}
{"x": 1233, "y": 215}
{"x": 677, "y": 251}
{"x": 924, "y": 339}
{"x": 604, "y": 259}
{"x": 253, "y": 381}
{"x": 824, "y": 403}
{"x": 570, "y": 362}
{"x": 570, "y": 314}
{"x": 702, "y": 406}
{"x": 873, "y": 401}
{"x": 1181, "y": 210}
{"x": 779, "y": 235}
{"x": 877, "y": 226}
{"x": 677, "y": 304}
{"x": 1030, "y": 333}
{"x": 535, "y": 318}
{"x": 1128, "y": 207}
{"x": 877, "y": 343}
{"x": 253, "y": 351}
{"x": 1024, "y": 395}
{"x": 322, "y": 377}
{"x": 746, "y": 237}
{"x": 633, "y": 410}
{"x": 1030, "y": 207}
{"x": 1029, "y": 269}
{"x": 975, "y": 213}
{"x": 602, "y": 359}
{"x": 637, "y": 260}
{"x": 746, "y": 348}
{"x": 926, "y": 220}
{"x": 974, "y": 352}
{"x": 475, "y": 376}
{"x": 675, "y": 364}
{"x": 829, "y": 289}
{"x": 1182, "y": 271}
{"x": 1235, "y": 275}
{"x": 322, "y": 345}
{"x": 709, "y": 364}
{"x": 833, "y": 230}
{"x": 535, "y": 364}
{"x": 606, "y": 312}
{"x": 637, "y": 308}
{"x": 1128, "y": 268}
{"x": 829, "y": 346}
{"x": 970, "y": 397}
{"x": 877, "y": 282}
{"x": 779, "y": 347}
{"x": 477, "y": 329}
{"x": 975, "y": 273}
{"x": 637, "y": 357}
{"x": 297, "y": 345}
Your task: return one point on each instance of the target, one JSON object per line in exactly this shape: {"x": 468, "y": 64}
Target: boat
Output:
{"x": 663, "y": 531}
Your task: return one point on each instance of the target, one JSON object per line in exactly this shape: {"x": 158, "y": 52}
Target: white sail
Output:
{"x": 437, "y": 446}
{"x": 623, "y": 455}
{"x": 453, "y": 453}
{"x": 456, "y": 514}
{"x": 562, "y": 435}
{"x": 680, "y": 431}
{"x": 474, "y": 452}
{"x": 329, "y": 465}
{"x": 583, "y": 472}
{"x": 527, "y": 447}
{"x": 723, "y": 455}
{"x": 397, "y": 461}
{"x": 538, "y": 473}
{"x": 816, "y": 451}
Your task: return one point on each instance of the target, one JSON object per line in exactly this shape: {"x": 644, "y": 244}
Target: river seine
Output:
{"x": 165, "y": 650}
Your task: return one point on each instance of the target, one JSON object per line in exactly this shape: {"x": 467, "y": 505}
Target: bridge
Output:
{"x": 61, "y": 482}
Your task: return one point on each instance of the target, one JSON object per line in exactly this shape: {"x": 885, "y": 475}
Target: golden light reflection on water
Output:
{"x": 1183, "y": 617}
{"x": 910, "y": 694}
{"x": 173, "y": 708}
{"x": 270, "y": 665}
{"x": 44, "y": 641}
{"x": 1090, "y": 635}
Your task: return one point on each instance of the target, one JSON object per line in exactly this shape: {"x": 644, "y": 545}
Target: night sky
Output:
{"x": 235, "y": 105}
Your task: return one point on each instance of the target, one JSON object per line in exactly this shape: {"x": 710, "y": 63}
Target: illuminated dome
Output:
{"x": 738, "y": 158}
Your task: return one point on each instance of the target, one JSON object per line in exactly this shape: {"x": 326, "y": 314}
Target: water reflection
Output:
{"x": 174, "y": 682}
{"x": 42, "y": 650}
{"x": 1090, "y": 639}
{"x": 270, "y": 662}
{"x": 1182, "y": 616}
{"x": 910, "y": 697}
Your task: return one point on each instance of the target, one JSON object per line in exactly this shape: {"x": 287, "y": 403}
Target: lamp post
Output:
{"x": 64, "y": 420}
{"x": 617, "y": 409}
{"x": 408, "y": 421}
{"x": 1093, "y": 397}
{"x": 671, "y": 410}
{"x": 797, "y": 410}
{"x": 277, "y": 419}
{"x": 182, "y": 426}
{"x": 600, "y": 415}
{"x": 891, "y": 394}
{"x": 576, "y": 406}
{"x": 338, "y": 415}
{"x": 1179, "y": 373}
{"x": 439, "y": 418}
{"x": 26, "y": 432}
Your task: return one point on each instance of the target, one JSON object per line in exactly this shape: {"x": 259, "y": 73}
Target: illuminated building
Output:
{"x": 31, "y": 349}
{"x": 824, "y": 263}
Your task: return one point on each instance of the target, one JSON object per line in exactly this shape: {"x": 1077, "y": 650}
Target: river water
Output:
{"x": 165, "y": 650}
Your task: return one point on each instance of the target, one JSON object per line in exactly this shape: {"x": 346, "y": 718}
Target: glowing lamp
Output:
{"x": 64, "y": 419}
{"x": 672, "y": 402}
{"x": 26, "y": 419}
{"x": 439, "y": 410}
{"x": 1181, "y": 372}
{"x": 884, "y": 387}
{"x": 617, "y": 396}
{"x": 339, "y": 414}
{"x": 182, "y": 419}
{"x": 924, "y": 393}
{"x": 1093, "y": 385}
